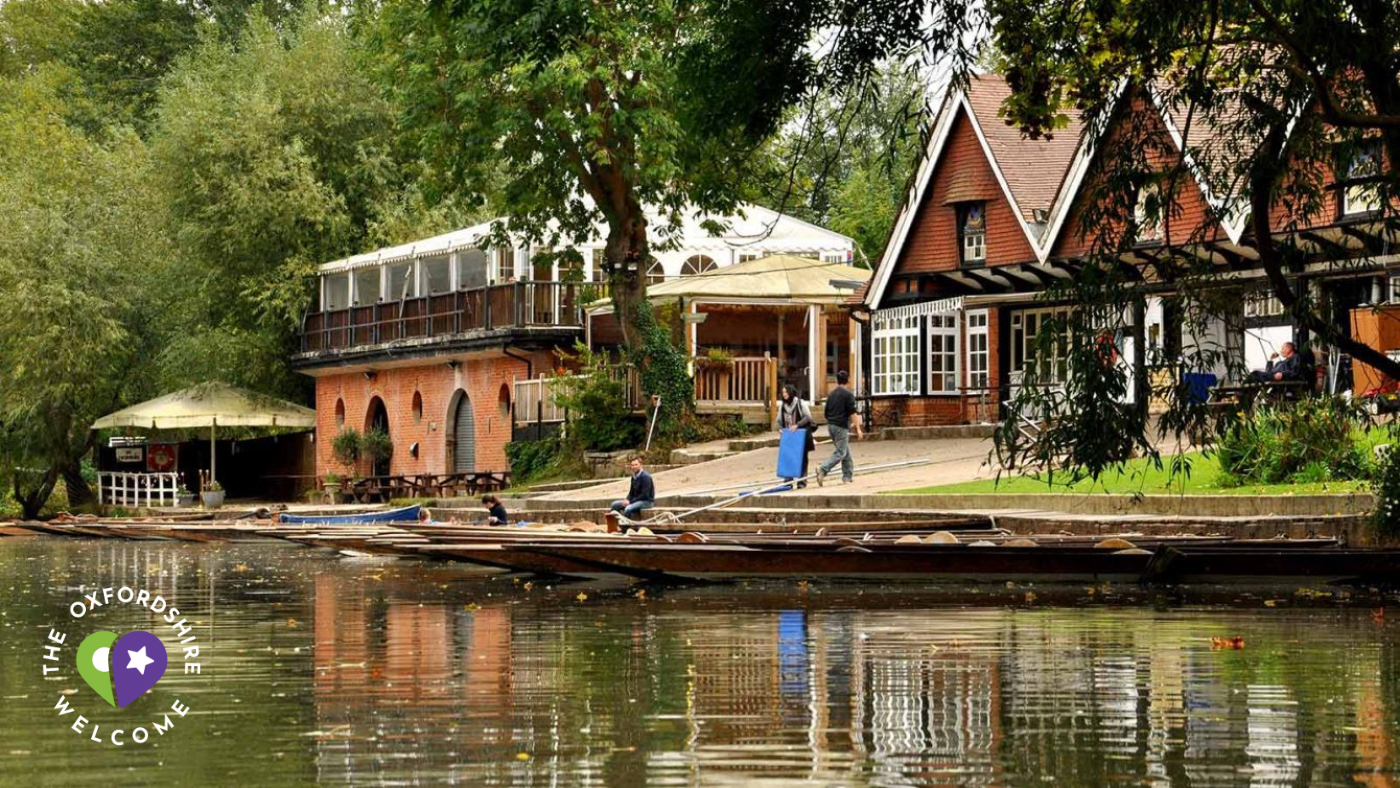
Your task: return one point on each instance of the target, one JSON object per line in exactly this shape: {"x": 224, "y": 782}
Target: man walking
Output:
{"x": 841, "y": 417}
{"x": 640, "y": 496}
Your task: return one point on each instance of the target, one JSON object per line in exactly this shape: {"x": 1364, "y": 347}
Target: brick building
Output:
{"x": 427, "y": 340}
{"x": 992, "y": 219}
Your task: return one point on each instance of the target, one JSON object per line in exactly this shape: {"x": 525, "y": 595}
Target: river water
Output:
{"x": 317, "y": 669}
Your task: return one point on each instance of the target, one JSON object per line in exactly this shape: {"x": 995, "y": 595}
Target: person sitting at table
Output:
{"x": 640, "y": 496}
{"x": 1284, "y": 365}
{"x": 496, "y": 513}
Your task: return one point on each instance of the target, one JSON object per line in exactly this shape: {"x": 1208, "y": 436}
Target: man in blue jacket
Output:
{"x": 640, "y": 496}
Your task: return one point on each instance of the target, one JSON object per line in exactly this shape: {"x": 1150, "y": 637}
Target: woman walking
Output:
{"x": 795, "y": 415}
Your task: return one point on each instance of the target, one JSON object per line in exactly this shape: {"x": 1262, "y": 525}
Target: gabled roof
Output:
{"x": 1029, "y": 171}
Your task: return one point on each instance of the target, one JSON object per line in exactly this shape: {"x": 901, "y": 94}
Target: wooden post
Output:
{"x": 770, "y": 401}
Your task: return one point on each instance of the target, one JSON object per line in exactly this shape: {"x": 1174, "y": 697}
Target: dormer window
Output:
{"x": 1147, "y": 215}
{"x": 1360, "y": 192}
{"x": 972, "y": 232}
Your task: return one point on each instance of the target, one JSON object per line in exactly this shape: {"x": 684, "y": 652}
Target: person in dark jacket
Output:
{"x": 496, "y": 513}
{"x": 640, "y": 496}
{"x": 795, "y": 415}
{"x": 1284, "y": 365}
{"x": 841, "y": 419}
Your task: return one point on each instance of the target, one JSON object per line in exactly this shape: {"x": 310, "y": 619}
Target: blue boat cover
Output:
{"x": 408, "y": 514}
{"x": 791, "y": 445}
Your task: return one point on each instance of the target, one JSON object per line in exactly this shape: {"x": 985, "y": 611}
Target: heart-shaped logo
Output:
{"x": 121, "y": 669}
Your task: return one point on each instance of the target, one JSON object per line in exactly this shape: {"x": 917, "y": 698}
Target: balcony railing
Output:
{"x": 513, "y": 305}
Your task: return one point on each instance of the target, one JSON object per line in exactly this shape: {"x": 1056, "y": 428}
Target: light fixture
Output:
{"x": 370, "y": 374}
{"x": 454, "y": 364}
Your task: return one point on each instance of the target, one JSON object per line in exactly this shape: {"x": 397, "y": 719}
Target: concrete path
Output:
{"x": 952, "y": 460}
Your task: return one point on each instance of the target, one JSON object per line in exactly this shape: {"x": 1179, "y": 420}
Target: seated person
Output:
{"x": 1284, "y": 365}
{"x": 495, "y": 511}
{"x": 640, "y": 496}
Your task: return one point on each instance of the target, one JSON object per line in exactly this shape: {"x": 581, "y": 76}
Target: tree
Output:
{"x": 82, "y": 261}
{"x": 844, "y": 158}
{"x": 275, "y": 152}
{"x": 593, "y": 114}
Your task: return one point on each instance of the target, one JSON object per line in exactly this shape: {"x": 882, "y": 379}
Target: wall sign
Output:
{"x": 130, "y": 453}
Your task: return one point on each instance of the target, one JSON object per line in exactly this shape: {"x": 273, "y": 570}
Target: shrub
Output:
{"x": 529, "y": 458}
{"x": 1386, "y": 487}
{"x": 346, "y": 447}
{"x": 375, "y": 445}
{"x": 597, "y": 403}
{"x": 1310, "y": 441}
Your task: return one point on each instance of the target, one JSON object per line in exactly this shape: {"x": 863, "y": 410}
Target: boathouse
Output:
{"x": 434, "y": 342}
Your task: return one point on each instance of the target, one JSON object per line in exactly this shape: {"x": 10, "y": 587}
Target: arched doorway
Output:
{"x": 378, "y": 419}
{"x": 461, "y": 434}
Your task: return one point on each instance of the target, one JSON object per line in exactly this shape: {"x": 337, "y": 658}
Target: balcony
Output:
{"x": 547, "y": 311}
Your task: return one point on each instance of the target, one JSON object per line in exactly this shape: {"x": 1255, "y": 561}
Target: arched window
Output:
{"x": 503, "y": 401}
{"x": 417, "y": 406}
{"x": 697, "y": 264}
{"x": 340, "y": 413}
{"x": 655, "y": 273}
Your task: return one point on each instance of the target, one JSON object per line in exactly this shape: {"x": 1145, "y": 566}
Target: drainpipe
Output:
{"x": 529, "y": 375}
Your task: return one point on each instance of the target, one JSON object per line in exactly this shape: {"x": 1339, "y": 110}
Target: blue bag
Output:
{"x": 791, "y": 447}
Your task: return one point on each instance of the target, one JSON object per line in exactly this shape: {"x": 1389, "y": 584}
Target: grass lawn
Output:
{"x": 1139, "y": 476}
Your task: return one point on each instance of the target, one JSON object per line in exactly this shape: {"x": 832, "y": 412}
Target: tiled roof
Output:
{"x": 1034, "y": 169}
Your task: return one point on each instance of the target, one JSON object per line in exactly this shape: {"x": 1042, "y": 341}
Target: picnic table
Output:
{"x": 1243, "y": 396}
{"x": 428, "y": 485}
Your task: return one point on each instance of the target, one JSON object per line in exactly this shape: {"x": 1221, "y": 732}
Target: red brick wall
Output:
{"x": 436, "y": 383}
{"x": 932, "y": 244}
{"x": 1190, "y": 220}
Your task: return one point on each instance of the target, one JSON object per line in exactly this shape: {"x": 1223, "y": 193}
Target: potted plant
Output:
{"x": 346, "y": 447}
{"x": 212, "y": 495}
{"x": 183, "y": 497}
{"x": 331, "y": 485}
{"x": 375, "y": 446}
{"x": 716, "y": 358}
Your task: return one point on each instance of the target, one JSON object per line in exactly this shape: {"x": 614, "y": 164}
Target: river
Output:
{"x": 318, "y": 669}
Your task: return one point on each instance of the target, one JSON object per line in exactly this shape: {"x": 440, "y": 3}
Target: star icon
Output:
{"x": 139, "y": 660}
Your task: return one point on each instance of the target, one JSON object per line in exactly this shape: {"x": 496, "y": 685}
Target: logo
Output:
{"x": 121, "y": 669}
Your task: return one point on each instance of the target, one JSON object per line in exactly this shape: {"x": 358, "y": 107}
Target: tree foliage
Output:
{"x": 82, "y": 266}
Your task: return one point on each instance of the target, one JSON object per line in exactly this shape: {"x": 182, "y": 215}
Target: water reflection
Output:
{"x": 393, "y": 673}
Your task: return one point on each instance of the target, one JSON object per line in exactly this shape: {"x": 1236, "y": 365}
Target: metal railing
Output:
{"x": 512, "y": 305}
{"x": 115, "y": 488}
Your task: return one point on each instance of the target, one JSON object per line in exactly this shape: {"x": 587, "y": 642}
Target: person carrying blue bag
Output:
{"x": 794, "y": 415}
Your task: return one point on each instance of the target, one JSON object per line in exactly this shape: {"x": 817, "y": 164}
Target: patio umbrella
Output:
{"x": 210, "y": 405}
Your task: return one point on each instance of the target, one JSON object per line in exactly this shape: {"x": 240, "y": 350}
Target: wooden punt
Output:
{"x": 1256, "y": 563}
{"x": 925, "y": 563}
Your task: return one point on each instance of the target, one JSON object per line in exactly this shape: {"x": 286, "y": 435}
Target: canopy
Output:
{"x": 209, "y": 405}
{"x": 779, "y": 278}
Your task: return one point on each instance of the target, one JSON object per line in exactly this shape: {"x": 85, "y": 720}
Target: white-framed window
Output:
{"x": 895, "y": 357}
{"x": 1262, "y": 303}
{"x": 471, "y": 268}
{"x": 744, "y": 257}
{"x": 943, "y": 353}
{"x": 1147, "y": 214}
{"x": 1395, "y": 289}
{"x": 972, "y": 230}
{"x": 979, "y": 357}
{"x": 1362, "y": 197}
{"x": 399, "y": 280}
{"x": 599, "y": 257}
{"x": 436, "y": 272}
{"x": 337, "y": 290}
{"x": 368, "y": 285}
{"x": 839, "y": 258}
{"x": 697, "y": 264}
{"x": 505, "y": 264}
{"x": 656, "y": 273}
{"x": 1026, "y": 324}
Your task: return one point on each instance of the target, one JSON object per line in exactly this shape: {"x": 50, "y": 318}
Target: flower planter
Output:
{"x": 332, "y": 492}
{"x": 185, "y": 501}
{"x": 213, "y": 499}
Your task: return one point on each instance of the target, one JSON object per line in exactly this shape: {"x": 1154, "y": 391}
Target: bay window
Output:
{"x": 943, "y": 353}
{"x": 895, "y": 367}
